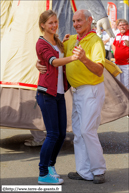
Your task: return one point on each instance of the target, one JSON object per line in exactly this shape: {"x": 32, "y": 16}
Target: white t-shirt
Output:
{"x": 105, "y": 37}
{"x": 60, "y": 84}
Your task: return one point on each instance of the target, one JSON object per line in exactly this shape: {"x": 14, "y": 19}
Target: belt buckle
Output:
{"x": 74, "y": 90}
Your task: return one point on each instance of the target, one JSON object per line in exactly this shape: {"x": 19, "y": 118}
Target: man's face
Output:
{"x": 80, "y": 23}
{"x": 123, "y": 27}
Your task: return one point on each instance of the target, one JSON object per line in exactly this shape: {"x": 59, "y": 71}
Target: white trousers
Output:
{"x": 87, "y": 104}
{"x": 124, "y": 76}
{"x": 38, "y": 135}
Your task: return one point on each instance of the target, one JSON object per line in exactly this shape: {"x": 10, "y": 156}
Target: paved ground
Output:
{"x": 19, "y": 164}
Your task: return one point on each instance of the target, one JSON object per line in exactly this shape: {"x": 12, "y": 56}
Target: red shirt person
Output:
{"x": 121, "y": 51}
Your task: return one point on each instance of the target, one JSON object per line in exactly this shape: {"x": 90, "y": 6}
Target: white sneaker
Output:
{"x": 32, "y": 143}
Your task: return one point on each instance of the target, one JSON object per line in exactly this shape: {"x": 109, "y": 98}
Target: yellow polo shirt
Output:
{"x": 77, "y": 73}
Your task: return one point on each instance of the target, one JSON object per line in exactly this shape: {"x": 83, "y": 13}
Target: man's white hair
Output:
{"x": 87, "y": 13}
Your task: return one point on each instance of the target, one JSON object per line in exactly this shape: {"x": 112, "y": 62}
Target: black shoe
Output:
{"x": 75, "y": 176}
{"x": 99, "y": 179}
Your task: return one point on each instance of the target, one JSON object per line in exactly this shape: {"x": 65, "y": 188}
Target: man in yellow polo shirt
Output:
{"x": 86, "y": 77}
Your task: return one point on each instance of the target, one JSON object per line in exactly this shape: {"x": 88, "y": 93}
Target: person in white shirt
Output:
{"x": 115, "y": 31}
{"x": 115, "y": 28}
{"x": 106, "y": 40}
{"x": 37, "y": 138}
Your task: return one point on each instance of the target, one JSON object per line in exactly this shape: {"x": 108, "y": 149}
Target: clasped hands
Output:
{"x": 78, "y": 54}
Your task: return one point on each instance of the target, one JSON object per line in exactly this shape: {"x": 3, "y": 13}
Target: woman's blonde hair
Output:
{"x": 43, "y": 19}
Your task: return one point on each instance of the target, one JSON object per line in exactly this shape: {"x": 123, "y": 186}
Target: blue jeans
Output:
{"x": 54, "y": 115}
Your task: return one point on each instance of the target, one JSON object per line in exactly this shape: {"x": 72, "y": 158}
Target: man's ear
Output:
{"x": 90, "y": 20}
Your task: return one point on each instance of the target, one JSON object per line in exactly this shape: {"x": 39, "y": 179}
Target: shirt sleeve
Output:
{"x": 65, "y": 47}
{"x": 45, "y": 52}
{"x": 98, "y": 53}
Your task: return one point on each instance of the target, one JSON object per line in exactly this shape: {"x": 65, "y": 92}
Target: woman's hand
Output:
{"x": 42, "y": 69}
{"x": 66, "y": 37}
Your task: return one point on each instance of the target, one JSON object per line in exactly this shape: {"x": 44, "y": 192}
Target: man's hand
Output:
{"x": 95, "y": 68}
{"x": 104, "y": 23}
{"x": 66, "y": 37}
{"x": 79, "y": 53}
{"x": 126, "y": 43}
{"x": 42, "y": 69}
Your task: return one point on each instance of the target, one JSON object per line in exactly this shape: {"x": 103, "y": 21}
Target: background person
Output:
{"x": 121, "y": 51}
{"x": 115, "y": 31}
{"x": 37, "y": 139}
{"x": 106, "y": 41}
{"x": 115, "y": 28}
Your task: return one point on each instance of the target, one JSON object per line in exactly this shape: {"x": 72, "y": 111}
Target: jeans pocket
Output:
{"x": 39, "y": 97}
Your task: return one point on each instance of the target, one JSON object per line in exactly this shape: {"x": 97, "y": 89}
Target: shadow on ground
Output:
{"x": 112, "y": 180}
{"x": 112, "y": 143}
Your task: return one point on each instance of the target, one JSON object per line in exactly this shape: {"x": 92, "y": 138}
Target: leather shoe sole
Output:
{"x": 99, "y": 179}
{"x": 75, "y": 176}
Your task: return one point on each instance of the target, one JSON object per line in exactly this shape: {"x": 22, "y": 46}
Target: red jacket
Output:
{"x": 46, "y": 54}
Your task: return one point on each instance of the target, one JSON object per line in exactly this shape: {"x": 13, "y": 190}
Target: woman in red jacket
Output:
{"x": 50, "y": 95}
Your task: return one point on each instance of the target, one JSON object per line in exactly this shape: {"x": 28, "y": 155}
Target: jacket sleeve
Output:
{"x": 45, "y": 52}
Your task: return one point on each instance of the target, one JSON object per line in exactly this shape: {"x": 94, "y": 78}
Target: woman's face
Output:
{"x": 51, "y": 25}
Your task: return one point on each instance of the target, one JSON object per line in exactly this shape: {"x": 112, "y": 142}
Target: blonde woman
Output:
{"x": 50, "y": 95}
